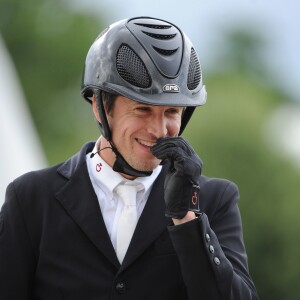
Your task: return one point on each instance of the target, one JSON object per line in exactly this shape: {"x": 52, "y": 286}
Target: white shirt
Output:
{"x": 104, "y": 180}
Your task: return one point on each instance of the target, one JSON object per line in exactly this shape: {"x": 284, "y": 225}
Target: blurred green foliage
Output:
{"x": 227, "y": 134}
{"x": 48, "y": 42}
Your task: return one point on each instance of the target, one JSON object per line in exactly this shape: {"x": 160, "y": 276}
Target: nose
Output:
{"x": 158, "y": 126}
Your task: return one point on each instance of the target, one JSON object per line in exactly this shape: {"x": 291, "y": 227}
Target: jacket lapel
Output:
{"x": 80, "y": 201}
{"x": 151, "y": 223}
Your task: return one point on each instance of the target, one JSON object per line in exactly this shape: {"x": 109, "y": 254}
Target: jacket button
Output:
{"x": 207, "y": 237}
{"x": 217, "y": 261}
{"x": 211, "y": 249}
{"x": 121, "y": 287}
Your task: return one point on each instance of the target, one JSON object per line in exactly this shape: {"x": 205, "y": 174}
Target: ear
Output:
{"x": 95, "y": 109}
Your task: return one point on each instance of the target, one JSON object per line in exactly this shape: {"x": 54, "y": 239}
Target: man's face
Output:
{"x": 136, "y": 127}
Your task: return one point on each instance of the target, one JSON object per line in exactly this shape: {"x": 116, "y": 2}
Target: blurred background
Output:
{"x": 248, "y": 132}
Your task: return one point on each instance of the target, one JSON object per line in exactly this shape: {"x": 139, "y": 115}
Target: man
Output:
{"x": 72, "y": 232}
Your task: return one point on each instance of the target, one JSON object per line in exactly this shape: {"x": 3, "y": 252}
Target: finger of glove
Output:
{"x": 173, "y": 154}
{"x": 182, "y": 148}
{"x": 180, "y": 162}
{"x": 168, "y": 143}
{"x": 188, "y": 149}
{"x": 176, "y": 141}
{"x": 185, "y": 145}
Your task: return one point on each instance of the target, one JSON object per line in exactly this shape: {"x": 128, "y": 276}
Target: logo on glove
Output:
{"x": 194, "y": 198}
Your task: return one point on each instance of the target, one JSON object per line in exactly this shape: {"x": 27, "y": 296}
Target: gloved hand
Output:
{"x": 183, "y": 177}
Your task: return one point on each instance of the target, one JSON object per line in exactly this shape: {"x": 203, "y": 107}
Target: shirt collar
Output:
{"x": 107, "y": 179}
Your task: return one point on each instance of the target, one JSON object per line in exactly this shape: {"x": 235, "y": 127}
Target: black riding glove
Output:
{"x": 183, "y": 177}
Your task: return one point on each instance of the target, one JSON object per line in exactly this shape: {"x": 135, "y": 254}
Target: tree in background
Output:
{"x": 48, "y": 42}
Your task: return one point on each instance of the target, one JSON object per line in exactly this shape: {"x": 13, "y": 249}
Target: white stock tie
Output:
{"x": 128, "y": 219}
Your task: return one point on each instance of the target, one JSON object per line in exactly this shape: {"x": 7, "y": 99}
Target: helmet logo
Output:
{"x": 171, "y": 88}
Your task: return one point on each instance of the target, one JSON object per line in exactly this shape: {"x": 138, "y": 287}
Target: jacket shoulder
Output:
{"x": 217, "y": 184}
{"x": 53, "y": 175}
{"x": 216, "y": 194}
{"x": 35, "y": 186}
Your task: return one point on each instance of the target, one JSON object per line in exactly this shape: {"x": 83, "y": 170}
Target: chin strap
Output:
{"x": 122, "y": 166}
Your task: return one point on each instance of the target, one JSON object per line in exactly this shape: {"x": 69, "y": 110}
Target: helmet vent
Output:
{"x": 165, "y": 51}
{"x": 160, "y": 36}
{"x": 131, "y": 68}
{"x": 154, "y": 26}
{"x": 194, "y": 75}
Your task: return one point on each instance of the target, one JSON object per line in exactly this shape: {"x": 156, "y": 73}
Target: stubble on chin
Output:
{"x": 143, "y": 165}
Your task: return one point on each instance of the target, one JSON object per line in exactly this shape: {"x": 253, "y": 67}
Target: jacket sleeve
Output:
{"x": 212, "y": 254}
{"x": 17, "y": 260}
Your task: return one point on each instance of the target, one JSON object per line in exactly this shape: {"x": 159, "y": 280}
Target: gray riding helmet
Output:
{"x": 147, "y": 60}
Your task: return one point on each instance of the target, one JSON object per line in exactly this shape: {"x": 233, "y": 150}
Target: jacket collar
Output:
{"x": 68, "y": 168}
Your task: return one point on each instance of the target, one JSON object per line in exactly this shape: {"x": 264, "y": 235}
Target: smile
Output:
{"x": 145, "y": 143}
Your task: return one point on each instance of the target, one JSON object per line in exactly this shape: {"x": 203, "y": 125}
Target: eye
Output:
{"x": 143, "y": 108}
{"x": 174, "y": 110}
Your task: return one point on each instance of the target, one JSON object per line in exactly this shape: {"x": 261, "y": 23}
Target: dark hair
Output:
{"x": 109, "y": 100}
